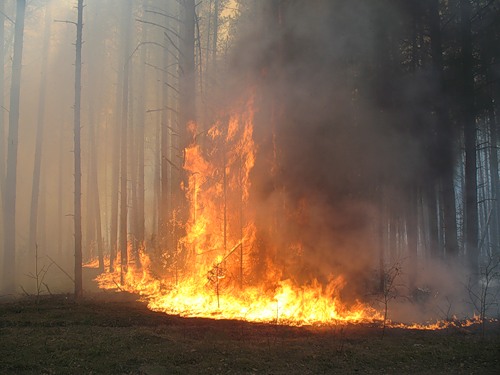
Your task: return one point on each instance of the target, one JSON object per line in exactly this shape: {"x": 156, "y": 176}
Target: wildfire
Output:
{"x": 215, "y": 275}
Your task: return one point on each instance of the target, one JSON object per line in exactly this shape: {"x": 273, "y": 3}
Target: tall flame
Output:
{"x": 216, "y": 277}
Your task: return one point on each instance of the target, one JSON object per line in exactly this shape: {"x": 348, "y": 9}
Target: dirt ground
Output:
{"x": 109, "y": 333}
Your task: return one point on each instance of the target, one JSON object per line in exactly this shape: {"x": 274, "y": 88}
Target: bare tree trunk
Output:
{"x": 60, "y": 194}
{"x": 187, "y": 104}
{"x": 470, "y": 136}
{"x": 94, "y": 205}
{"x": 2, "y": 98}
{"x": 123, "y": 154}
{"x": 140, "y": 146}
{"x": 412, "y": 236}
{"x": 157, "y": 169}
{"x": 77, "y": 150}
{"x": 214, "y": 44}
{"x": 495, "y": 183}
{"x": 115, "y": 176}
{"x": 9, "y": 264}
{"x": 382, "y": 235}
{"x": 133, "y": 171}
{"x": 165, "y": 183}
{"x": 115, "y": 173}
{"x": 35, "y": 191}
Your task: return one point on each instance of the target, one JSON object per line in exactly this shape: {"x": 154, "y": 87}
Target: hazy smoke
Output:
{"x": 333, "y": 136}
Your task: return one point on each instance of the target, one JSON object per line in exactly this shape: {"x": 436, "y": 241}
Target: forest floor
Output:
{"x": 112, "y": 333}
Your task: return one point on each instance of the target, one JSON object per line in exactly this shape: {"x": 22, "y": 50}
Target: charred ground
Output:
{"x": 113, "y": 333}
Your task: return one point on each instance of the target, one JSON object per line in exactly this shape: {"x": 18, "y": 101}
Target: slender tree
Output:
{"x": 166, "y": 134}
{"x": 77, "y": 157}
{"x": 2, "y": 100}
{"x": 187, "y": 99}
{"x": 35, "y": 191}
{"x": 115, "y": 163}
{"x": 9, "y": 273}
{"x": 94, "y": 205}
{"x": 124, "y": 148}
{"x": 140, "y": 143}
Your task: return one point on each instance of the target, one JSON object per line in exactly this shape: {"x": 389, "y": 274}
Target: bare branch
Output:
{"x": 8, "y": 18}
{"x": 171, "y": 163}
{"x": 174, "y": 45}
{"x": 172, "y": 87}
{"x": 65, "y": 21}
{"x": 163, "y": 109}
{"x": 160, "y": 26}
{"x": 163, "y": 14}
{"x": 62, "y": 270}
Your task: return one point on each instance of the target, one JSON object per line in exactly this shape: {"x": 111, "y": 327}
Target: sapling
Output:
{"x": 483, "y": 295}
{"x": 390, "y": 290}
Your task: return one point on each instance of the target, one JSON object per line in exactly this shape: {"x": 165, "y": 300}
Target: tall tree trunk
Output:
{"x": 94, "y": 226}
{"x": 488, "y": 62}
{"x": 9, "y": 264}
{"x": 495, "y": 183}
{"x": 187, "y": 99}
{"x": 412, "y": 236}
{"x": 140, "y": 152}
{"x": 35, "y": 191}
{"x": 140, "y": 145}
{"x": 165, "y": 183}
{"x": 124, "y": 149}
{"x": 214, "y": 43}
{"x": 77, "y": 150}
{"x": 115, "y": 177}
{"x": 445, "y": 136}
{"x": 187, "y": 105}
{"x": 470, "y": 136}
{"x": 60, "y": 190}
{"x": 2, "y": 98}
{"x": 117, "y": 142}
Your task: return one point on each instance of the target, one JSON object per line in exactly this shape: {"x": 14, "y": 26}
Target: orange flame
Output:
{"x": 216, "y": 276}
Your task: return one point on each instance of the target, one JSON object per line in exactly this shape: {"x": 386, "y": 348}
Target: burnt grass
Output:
{"x": 112, "y": 333}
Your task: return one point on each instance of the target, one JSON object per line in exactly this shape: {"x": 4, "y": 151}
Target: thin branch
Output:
{"x": 171, "y": 163}
{"x": 174, "y": 45}
{"x": 47, "y": 287}
{"x": 160, "y": 69}
{"x": 62, "y": 21}
{"x": 118, "y": 286}
{"x": 143, "y": 43}
{"x": 172, "y": 87}
{"x": 163, "y": 109}
{"x": 63, "y": 271}
{"x": 25, "y": 292}
{"x": 163, "y": 14}
{"x": 160, "y": 26}
{"x": 8, "y": 18}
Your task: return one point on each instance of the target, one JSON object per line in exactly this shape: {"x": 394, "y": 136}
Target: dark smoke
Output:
{"x": 337, "y": 125}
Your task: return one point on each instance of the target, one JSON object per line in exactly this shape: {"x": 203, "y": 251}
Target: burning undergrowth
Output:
{"x": 240, "y": 258}
{"x": 233, "y": 263}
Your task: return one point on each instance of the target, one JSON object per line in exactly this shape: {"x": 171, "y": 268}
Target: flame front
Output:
{"x": 215, "y": 261}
